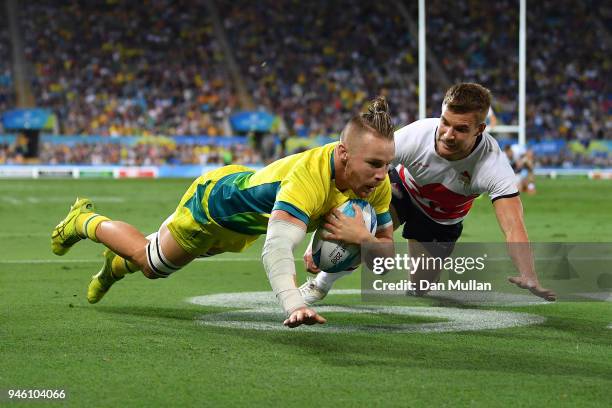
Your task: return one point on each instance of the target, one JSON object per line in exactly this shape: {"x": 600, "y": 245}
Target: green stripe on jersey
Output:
{"x": 247, "y": 223}
{"x": 236, "y": 205}
{"x": 194, "y": 204}
{"x": 384, "y": 218}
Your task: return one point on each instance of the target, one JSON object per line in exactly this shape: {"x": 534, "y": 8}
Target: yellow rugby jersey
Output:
{"x": 301, "y": 184}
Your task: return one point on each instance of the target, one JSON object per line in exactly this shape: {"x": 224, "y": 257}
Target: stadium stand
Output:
{"x": 569, "y": 72}
{"x": 476, "y": 42}
{"x": 147, "y": 154}
{"x": 315, "y": 63}
{"x": 568, "y": 64}
{"x": 116, "y": 68}
{"x": 7, "y": 95}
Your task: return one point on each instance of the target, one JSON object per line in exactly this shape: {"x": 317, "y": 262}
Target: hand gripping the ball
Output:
{"x": 341, "y": 227}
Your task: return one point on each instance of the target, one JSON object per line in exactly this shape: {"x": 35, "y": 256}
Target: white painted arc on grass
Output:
{"x": 24, "y": 234}
{"x": 484, "y": 298}
{"x": 601, "y": 296}
{"x": 265, "y": 299}
{"x": 261, "y": 312}
{"x": 59, "y": 261}
{"x": 45, "y": 200}
{"x": 459, "y": 320}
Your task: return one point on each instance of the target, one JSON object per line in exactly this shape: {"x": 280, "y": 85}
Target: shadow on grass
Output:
{"x": 489, "y": 351}
{"x": 186, "y": 313}
{"x": 529, "y": 350}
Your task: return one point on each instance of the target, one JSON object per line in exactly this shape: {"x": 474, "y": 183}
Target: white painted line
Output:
{"x": 11, "y": 200}
{"x": 261, "y": 312}
{"x": 44, "y": 200}
{"x": 24, "y": 234}
{"x": 107, "y": 199}
{"x": 479, "y": 298}
{"x": 603, "y": 296}
{"x": 59, "y": 261}
{"x": 47, "y": 261}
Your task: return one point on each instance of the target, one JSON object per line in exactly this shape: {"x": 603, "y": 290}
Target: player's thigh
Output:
{"x": 395, "y": 217}
{"x": 401, "y": 205}
{"x": 171, "y": 249}
{"x": 184, "y": 234}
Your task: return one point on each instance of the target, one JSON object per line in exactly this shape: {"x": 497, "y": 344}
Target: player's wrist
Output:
{"x": 292, "y": 309}
{"x": 529, "y": 276}
{"x": 291, "y": 300}
{"x": 367, "y": 238}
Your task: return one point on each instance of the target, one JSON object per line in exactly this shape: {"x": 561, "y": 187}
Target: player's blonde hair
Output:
{"x": 467, "y": 97}
{"x": 376, "y": 120}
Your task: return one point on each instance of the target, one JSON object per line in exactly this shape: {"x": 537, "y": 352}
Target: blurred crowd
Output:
{"x": 117, "y": 67}
{"x": 140, "y": 154}
{"x": 164, "y": 151}
{"x": 7, "y": 95}
{"x": 128, "y": 68}
{"x": 315, "y": 63}
{"x": 476, "y": 41}
{"x": 569, "y": 64}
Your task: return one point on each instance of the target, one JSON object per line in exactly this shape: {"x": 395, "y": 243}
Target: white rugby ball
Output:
{"x": 336, "y": 256}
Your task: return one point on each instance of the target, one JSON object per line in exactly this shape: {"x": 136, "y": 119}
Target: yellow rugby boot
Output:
{"x": 102, "y": 281}
{"x": 65, "y": 234}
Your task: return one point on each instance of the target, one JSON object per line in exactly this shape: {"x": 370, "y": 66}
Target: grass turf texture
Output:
{"x": 142, "y": 346}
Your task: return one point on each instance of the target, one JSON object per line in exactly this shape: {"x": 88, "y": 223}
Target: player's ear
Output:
{"x": 342, "y": 152}
{"x": 481, "y": 128}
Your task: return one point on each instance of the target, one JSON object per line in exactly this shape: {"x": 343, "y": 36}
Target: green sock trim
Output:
{"x": 127, "y": 266}
{"x": 90, "y": 225}
{"x": 86, "y": 225}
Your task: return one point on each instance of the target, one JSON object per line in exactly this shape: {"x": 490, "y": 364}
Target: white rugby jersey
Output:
{"x": 445, "y": 190}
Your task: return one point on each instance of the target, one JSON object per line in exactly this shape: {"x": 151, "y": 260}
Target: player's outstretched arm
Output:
{"x": 509, "y": 212}
{"x": 284, "y": 233}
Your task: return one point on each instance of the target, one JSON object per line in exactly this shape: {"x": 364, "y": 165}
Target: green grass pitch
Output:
{"x": 144, "y": 344}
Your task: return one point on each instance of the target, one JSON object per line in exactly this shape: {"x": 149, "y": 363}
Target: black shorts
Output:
{"x": 419, "y": 226}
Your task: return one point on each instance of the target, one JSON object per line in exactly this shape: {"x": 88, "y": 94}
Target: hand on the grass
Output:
{"x": 309, "y": 262}
{"x": 534, "y": 287}
{"x": 303, "y": 315}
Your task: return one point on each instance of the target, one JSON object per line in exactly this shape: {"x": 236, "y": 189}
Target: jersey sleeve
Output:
{"x": 403, "y": 144}
{"x": 409, "y": 139}
{"x": 302, "y": 192}
{"x": 502, "y": 182}
{"x": 380, "y": 202}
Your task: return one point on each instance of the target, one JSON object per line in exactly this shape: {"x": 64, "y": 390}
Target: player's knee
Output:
{"x": 148, "y": 273}
{"x": 157, "y": 264}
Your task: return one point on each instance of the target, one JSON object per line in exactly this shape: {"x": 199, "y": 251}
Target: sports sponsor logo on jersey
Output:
{"x": 465, "y": 178}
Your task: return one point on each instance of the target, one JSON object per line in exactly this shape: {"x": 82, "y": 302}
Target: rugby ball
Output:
{"x": 336, "y": 256}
